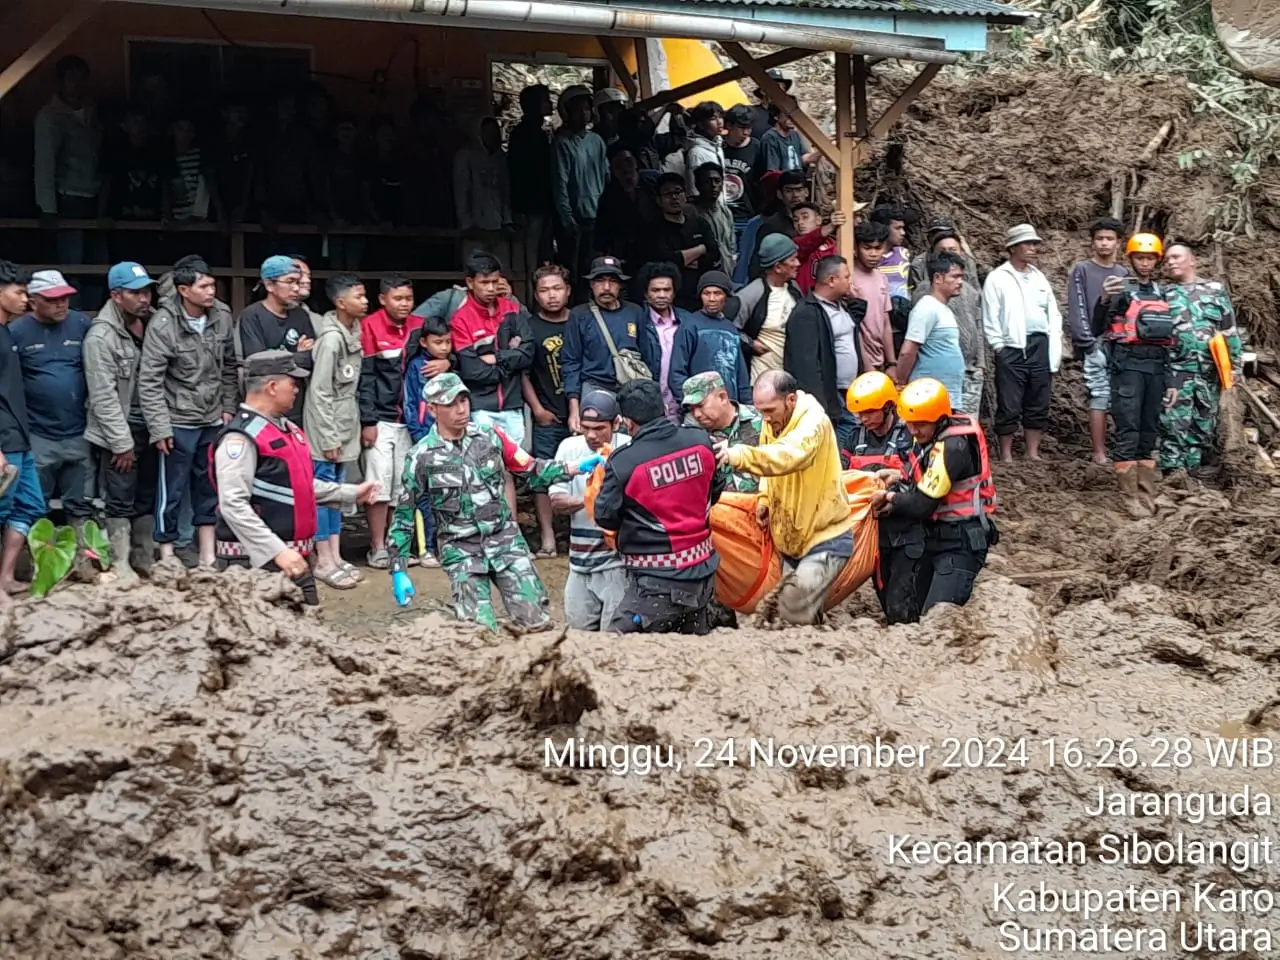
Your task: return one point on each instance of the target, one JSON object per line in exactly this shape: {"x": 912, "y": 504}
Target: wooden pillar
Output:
{"x": 48, "y": 42}
{"x": 861, "y": 122}
{"x": 237, "y": 265}
{"x": 844, "y": 144}
{"x": 614, "y": 55}
{"x": 644, "y": 70}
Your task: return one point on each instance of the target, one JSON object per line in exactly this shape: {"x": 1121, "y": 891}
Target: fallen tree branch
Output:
{"x": 1157, "y": 141}
{"x": 938, "y": 191}
{"x": 1256, "y": 402}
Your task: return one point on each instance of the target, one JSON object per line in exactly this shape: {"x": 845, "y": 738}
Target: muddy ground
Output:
{"x": 205, "y": 769}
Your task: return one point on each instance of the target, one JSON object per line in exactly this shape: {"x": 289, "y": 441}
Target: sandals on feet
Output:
{"x": 353, "y": 571}
{"x": 545, "y": 554}
{"x": 338, "y": 578}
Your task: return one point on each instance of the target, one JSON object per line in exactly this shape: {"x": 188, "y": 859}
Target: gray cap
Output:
{"x": 273, "y": 363}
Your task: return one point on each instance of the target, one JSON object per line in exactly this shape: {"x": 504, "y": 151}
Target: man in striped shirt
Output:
{"x": 597, "y": 581}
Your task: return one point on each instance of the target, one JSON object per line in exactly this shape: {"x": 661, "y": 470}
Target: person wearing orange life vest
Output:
{"x": 882, "y": 440}
{"x": 947, "y": 490}
{"x": 1136, "y": 325}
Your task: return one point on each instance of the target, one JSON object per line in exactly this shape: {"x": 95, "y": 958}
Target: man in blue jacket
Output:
{"x": 708, "y": 342}
{"x": 586, "y": 360}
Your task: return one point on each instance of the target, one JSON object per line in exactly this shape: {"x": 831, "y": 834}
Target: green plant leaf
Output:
{"x": 96, "y": 545}
{"x": 53, "y": 551}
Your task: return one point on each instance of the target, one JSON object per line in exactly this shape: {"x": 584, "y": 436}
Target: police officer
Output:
{"x": 882, "y": 440}
{"x": 1136, "y": 324}
{"x": 267, "y": 493}
{"x": 657, "y": 496}
{"x": 946, "y": 489}
{"x": 459, "y": 467}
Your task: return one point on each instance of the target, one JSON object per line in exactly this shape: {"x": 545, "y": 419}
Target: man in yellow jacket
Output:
{"x": 802, "y": 496}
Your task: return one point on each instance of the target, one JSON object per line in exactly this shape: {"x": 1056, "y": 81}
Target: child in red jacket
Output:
{"x": 814, "y": 240}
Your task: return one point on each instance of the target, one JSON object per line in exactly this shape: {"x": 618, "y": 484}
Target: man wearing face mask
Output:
{"x": 127, "y": 463}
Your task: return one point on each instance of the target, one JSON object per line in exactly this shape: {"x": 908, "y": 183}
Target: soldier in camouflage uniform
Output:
{"x": 459, "y": 466}
{"x": 1202, "y": 309}
{"x": 707, "y": 405}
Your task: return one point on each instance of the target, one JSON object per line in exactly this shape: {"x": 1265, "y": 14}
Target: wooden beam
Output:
{"x": 861, "y": 120}
{"x": 663, "y": 97}
{"x": 908, "y": 97}
{"x": 784, "y": 101}
{"x": 614, "y": 55}
{"x": 51, "y": 40}
{"x": 844, "y": 142}
{"x": 644, "y": 69}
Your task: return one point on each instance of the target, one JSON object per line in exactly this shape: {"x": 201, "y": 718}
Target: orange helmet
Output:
{"x": 871, "y": 391}
{"x": 1145, "y": 243}
{"x": 924, "y": 401}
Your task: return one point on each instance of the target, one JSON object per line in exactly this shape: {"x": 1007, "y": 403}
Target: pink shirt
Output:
{"x": 667, "y": 327}
{"x": 877, "y": 332}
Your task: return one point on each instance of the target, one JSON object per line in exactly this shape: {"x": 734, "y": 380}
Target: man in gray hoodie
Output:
{"x": 127, "y": 463}
{"x": 187, "y": 390}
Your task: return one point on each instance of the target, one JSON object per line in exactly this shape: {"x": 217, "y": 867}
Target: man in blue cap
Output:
{"x": 127, "y": 463}
{"x": 278, "y": 321}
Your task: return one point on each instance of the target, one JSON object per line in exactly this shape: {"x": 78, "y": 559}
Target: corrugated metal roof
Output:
{"x": 960, "y": 8}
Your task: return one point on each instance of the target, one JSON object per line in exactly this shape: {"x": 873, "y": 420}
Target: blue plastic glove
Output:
{"x": 590, "y": 463}
{"x": 402, "y": 587}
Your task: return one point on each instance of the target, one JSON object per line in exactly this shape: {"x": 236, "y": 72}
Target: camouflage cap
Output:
{"x": 700, "y": 386}
{"x": 444, "y": 388}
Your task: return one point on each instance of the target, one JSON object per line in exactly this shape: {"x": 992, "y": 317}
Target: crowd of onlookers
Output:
{"x": 599, "y": 246}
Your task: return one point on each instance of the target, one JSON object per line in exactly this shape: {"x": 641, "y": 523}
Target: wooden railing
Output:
{"x": 242, "y": 275}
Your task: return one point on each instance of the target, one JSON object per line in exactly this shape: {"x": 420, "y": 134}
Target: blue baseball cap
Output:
{"x": 128, "y": 276}
{"x": 273, "y": 268}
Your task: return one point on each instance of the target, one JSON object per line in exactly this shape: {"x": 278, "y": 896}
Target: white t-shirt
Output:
{"x": 587, "y": 552}
{"x": 1035, "y": 294}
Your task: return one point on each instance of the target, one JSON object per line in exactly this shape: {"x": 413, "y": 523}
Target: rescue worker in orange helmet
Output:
{"x": 947, "y": 492}
{"x": 1136, "y": 325}
{"x": 882, "y": 439}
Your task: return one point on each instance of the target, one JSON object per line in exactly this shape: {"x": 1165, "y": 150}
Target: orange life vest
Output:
{"x": 872, "y": 461}
{"x": 1147, "y": 320}
{"x": 972, "y": 497}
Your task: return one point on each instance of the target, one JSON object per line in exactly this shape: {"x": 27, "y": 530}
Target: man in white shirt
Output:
{"x": 1023, "y": 324}
{"x": 597, "y": 580}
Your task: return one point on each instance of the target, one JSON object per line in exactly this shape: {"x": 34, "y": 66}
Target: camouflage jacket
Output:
{"x": 1201, "y": 309}
{"x": 464, "y": 481}
{"x": 745, "y": 429}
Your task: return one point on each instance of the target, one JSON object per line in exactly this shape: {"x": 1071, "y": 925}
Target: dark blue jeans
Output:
{"x": 187, "y": 469}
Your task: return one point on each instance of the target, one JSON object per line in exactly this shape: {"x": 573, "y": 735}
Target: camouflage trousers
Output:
{"x": 1188, "y": 428}
{"x": 475, "y": 565}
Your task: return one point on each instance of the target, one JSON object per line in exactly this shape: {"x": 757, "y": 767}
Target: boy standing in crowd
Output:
{"x": 1084, "y": 290}
{"x": 331, "y": 416}
{"x": 544, "y": 384}
{"x": 384, "y": 335}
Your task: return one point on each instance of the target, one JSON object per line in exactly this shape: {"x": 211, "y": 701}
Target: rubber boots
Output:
{"x": 1127, "y": 480}
{"x": 119, "y": 532}
{"x": 83, "y": 569}
{"x": 142, "y": 553}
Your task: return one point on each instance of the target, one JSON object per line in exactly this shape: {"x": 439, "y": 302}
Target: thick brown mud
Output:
{"x": 204, "y": 769}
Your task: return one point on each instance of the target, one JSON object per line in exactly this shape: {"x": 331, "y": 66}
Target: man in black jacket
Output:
{"x": 656, "y": 497}
{"x": 761, "y": 308}
{"x": 822, "y": 350}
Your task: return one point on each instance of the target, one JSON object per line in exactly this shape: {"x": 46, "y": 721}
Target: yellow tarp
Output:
{"x": 690, "y": 60}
